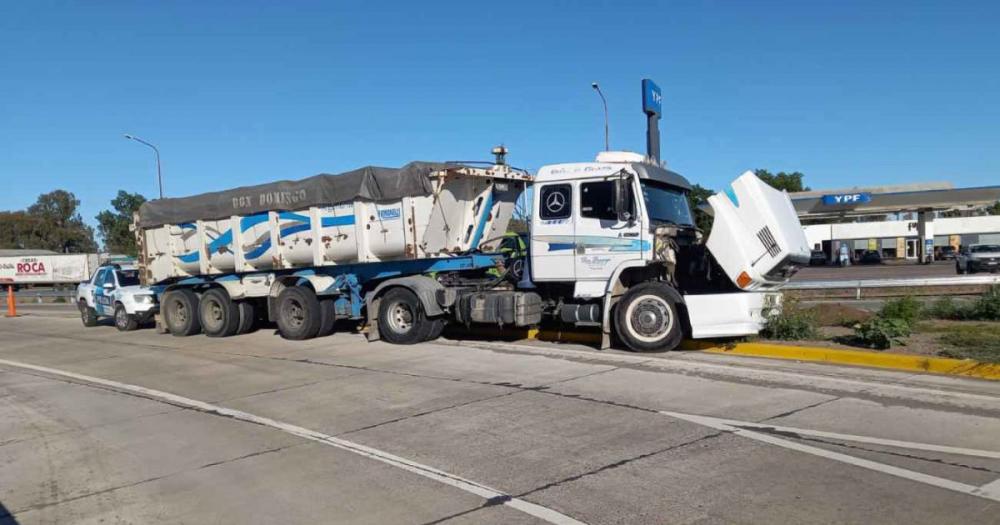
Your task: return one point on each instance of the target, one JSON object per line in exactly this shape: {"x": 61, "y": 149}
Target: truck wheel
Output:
{"x": 123, "y": 321}
{"x": 87, "y": 314}
{"x": 298, "y": 313}
{"x": 327, "y": 317}
{"x": 401, "y": 318}
{"x": 646, "y": 318}
{"x": 437, "y": 325}
{"x": 180, "y": 312}
{"x": 248, "y": 317}
{"x": 219, "y": 315}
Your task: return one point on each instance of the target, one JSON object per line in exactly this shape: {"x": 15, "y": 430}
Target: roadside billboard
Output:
{"x": 45, "y": 269}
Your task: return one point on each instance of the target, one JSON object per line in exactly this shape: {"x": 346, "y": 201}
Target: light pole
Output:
{"x": 159, "y": 174}
{"x": 605, "y": 102}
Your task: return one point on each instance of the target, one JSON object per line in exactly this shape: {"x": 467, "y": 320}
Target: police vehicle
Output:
{"x": 114, "y": 291}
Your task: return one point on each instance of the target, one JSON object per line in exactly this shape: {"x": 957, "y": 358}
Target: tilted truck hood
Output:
{"x": 756, "y": 237}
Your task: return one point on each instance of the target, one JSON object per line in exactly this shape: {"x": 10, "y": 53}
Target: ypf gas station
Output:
{"x": 899, "y": 222}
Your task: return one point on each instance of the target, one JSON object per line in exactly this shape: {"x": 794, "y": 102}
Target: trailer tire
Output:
{"x": 248, "y": 317}
{"x": 219, "y": 315}
{"x": 327, "y": 317}
{"x": 646, "y": 318}
{"x": 123, "y": 321}
{"x": 298, "y": 313}
{"x": 401, "y": 318}
{"x": 180, "y": 312}
{"x": 87, "y": 314}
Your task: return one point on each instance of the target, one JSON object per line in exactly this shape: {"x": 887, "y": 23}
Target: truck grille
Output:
{"x": 767, "y": 239}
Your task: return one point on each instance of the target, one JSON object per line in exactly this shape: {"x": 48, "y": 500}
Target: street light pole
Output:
{"x": 605, "y": 102}
{"x": 159, "y": 174}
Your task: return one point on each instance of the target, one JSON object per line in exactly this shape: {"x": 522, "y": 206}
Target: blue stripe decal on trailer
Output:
{"x": 328, "y": 222}
{"x": 252, "y": 220}
{"x": 487, "y": 207}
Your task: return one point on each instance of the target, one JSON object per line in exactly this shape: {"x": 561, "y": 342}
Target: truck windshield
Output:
{"x": 666, "y": 204}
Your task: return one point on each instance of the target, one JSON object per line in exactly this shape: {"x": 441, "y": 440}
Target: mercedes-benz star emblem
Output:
{"x": 555, "y": 202}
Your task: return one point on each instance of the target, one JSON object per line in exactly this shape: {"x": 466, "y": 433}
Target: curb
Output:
{"x": 891, "y": 361}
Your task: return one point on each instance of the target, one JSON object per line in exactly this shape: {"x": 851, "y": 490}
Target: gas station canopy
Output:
{"x": 891, "y": 199}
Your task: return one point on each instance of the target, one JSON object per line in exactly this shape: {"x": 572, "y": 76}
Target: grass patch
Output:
{"x": 979, "y": 341}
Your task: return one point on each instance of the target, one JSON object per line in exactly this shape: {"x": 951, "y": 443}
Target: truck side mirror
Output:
{"x": 623, "y": 198}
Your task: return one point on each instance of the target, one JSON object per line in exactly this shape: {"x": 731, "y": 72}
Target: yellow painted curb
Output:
{"x": 915, "y": 363}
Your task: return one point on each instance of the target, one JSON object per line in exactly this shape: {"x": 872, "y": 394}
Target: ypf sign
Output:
{"x": 846, "y": 199}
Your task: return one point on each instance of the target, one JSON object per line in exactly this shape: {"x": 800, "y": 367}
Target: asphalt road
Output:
{"x": 877, "y": 271}
{"x": 108, "y": 427}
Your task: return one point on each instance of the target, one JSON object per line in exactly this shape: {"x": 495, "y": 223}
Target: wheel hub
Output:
{"x": 650, "y": 317}
{"x": 400, "y": 318}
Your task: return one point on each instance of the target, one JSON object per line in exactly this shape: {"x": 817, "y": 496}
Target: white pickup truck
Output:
{"x": 114, "y": 291}
{"x": 978, "y": 258}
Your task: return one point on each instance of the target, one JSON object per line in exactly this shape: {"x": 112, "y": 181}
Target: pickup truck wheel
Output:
{"x": 327, "y": 317}
{"x": 958, "y": 269}
{"x": 646, "y": 318}
{"x": 219, "y": 315}
{"x": 401, "y": 318}
{"x": 87, "y": 314}
{"x": 298, "y": 313}
{"x": 248, "y": 317}
{"x": 123, "y": 321}
{"x": 180, "y": 312}
{"x": 968, "y": 268}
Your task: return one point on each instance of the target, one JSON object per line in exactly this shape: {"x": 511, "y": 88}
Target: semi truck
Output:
{"x": 610, "y": 244}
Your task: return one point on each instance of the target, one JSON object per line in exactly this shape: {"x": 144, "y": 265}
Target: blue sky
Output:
{"x": 235, "y": 93}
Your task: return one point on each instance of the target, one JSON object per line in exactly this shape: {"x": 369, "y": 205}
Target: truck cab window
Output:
{"x": 555, "y": 202}
{"x": 597, "y": 201}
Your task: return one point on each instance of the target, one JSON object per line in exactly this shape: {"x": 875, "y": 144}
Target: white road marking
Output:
{"x": 678, "y": 364}
{"x": 992, "y": 488}
{"x": 986, "y": 491}
{"x": 538, "y": 511}
{"x": 848, "y": 437}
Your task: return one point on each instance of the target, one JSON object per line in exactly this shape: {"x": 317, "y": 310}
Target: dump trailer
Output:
{"x": 610, "y": 244}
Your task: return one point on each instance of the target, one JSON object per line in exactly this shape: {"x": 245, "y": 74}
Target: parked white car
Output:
{"x": 978, "y": 258}
{"x": 114, "y": 291}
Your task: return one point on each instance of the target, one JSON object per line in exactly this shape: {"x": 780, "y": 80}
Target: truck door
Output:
{"x": 602, "y": 240}
{"x": 552, "y": 233}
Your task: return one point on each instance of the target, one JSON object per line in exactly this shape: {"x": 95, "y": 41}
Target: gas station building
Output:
{"x": 900, "y": 222}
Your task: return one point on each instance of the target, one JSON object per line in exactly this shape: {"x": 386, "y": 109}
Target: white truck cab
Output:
{"x": 616, "y": 240}
{"x": 114, "y": 291}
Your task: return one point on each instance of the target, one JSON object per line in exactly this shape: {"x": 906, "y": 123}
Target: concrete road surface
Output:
{"x": 106, "y": 427}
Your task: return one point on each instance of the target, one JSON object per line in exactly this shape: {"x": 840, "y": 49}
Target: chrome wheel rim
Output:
{"x": 649, "y": 318}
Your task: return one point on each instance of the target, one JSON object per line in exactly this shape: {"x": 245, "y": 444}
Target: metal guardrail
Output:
{"x": 894, "y": 283}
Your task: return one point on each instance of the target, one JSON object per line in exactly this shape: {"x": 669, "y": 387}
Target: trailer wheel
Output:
{"x": 219, "y": 315}
{"x": 646, "y": 318}
{"x": 248, "y": 317}
{"x": 401, "y": 318}
{"x": 180, "y": 312}
{"x": 298, "y": 313}
{"x": 123, "y": 321}
{"x": 87, "y": 314}
{"x": 327, "y": 317}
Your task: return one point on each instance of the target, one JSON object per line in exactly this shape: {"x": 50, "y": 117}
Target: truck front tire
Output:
{"x": 298, "y": 313}
{"x": 87, "y": 314}
{"x": 180, "y": 312}
{"x": 401, "y": 318}
{"x": 646, "y": 318}
{"x": 123, "y": 321}
{"x": 219, "y": 315}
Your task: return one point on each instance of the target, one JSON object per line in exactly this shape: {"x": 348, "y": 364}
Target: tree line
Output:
{"x": 54, "y": 223}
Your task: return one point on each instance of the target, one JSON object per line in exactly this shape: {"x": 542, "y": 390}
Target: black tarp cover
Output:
{"x": 370, "y": 182}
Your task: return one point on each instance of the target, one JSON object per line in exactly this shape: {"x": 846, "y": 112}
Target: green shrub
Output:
{"x": 906, "y": 308}
{"x": 881, "y": 332}
{"x": 987, "y": 307}
{"x": 947, "y": 308}
{"x": 790, "y": 323}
